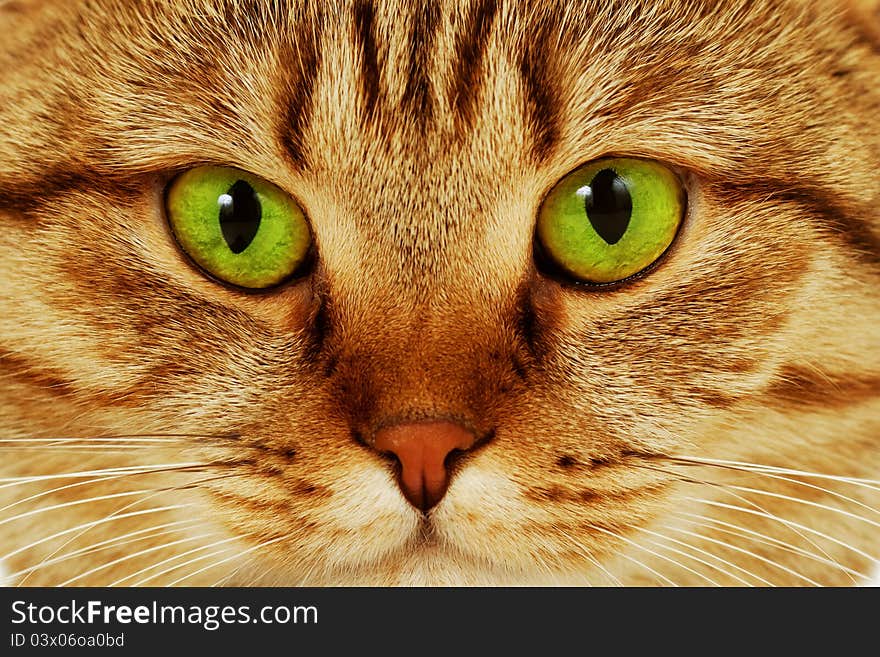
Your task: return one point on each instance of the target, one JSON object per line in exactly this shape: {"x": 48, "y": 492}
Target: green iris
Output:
{"x": 610, "y": 218}
{"x": 237, "y": 227}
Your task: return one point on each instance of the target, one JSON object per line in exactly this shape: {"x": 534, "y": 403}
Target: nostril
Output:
{"x": 425, "y": 451}
{"x": 453, "y": 457}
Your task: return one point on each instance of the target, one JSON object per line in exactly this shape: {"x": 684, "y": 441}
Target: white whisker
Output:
{"x": 687, "y": 555}
{"x": 629, "y": 558}
{"x": 6, "y": 482}
{"x": 90, "y": 524}
{"x": 747, "y": 552}
{"x": 743, "y": 532}
{"x": 873, "y": 484}
{"x": 45, "y": 493}
{"x": 589, "y": 556}
{"x": 87, "y": 500}
{"x": 134, "y": 555}
{"x": 208, "y": 567}
{"x": 77, "y": 449}
{"x": 128, "y": 506}
{"x": 98, "y": 441}
{"x": 174, "y": 558}
{"x": 235, "y": 556}
{"x": 827, "y": 491}
{"x": 706, "y": 553}
{"x": 787, "y": 522}
{"x": 222, "y": 581}
{"x": 726, "y": 489}
{"x": 170, "y": 437}
{"x": 141, "y": 534}
{"x": 798, "y": 500}
{"x": 665, "y": 558}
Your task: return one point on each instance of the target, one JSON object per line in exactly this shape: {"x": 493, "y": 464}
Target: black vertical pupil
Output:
{"x": 240, "y": 214}
{"x": 608, "y": 205}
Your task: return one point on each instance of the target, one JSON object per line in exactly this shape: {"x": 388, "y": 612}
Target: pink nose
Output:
{"x": 422, "y": 449}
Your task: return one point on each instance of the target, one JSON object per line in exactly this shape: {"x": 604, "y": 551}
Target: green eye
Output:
{"x": 237, "y": 227}
{"x": 611, "y": 218}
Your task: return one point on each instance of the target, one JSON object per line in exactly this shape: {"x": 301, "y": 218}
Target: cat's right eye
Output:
{"x": 237, "y": 227}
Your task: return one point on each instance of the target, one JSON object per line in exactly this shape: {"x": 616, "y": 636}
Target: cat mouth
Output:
{"x": 426, "y": 535}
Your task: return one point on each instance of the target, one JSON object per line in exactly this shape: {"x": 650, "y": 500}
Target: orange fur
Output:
{"x": 420, "y": 138}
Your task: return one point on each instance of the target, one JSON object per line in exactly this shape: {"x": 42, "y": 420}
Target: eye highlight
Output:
{"x": 237, "y": 227}
{"x": 610, "y": 219}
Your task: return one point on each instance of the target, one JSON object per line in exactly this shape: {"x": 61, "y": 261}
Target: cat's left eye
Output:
{"x": 238, "y": 227}
{"x": 610, "y": 219}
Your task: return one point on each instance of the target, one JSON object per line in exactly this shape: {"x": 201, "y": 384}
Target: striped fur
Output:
{"x": 420, "y": 137}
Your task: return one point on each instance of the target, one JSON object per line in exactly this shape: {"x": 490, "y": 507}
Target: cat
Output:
{"x": 398, "y": 292}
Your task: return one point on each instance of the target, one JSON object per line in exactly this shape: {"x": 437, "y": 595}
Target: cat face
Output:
{"x": 429, "y": 398}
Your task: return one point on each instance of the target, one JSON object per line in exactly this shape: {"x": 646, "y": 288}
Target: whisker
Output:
{"x": 140, "y": 437}
{"x": 798, "y": 500}
{"x": 222, "y": 581}
{"x": 116, "y": 513}
{"x": 634, "y": 560}
{"x": 6, "y": 482}
{"x": 141, "y": 534}
{"x": 747, "y": 552}
{"x": 85, "y": 441}
{"x": 725, "y": 488}
{"x": 821, "y": 489}
{"x": 95, "y": 481}
{"x": 687, "y": 555}
{"x": 104, "y": 444}
{"x": 743, "y": 532}
{"x": 174, "y": 558}
{"x": 87, "y": 500}
{"x": 90, "y": 524}
{"x": 873, "y": 484}
{"x": 208, "y": 567}
{"x": 67, "y": 449}
{"x": 37, "y": 496}
{"x": 589, "y": 556}
{"x": 702, "y": 561}
{"x": 235, "y": 556}
{"x": 125, "y": 472}
{"x": 660, "y": 556}
{"x": 787, "y": 522}
{"x": 135, "y": 555}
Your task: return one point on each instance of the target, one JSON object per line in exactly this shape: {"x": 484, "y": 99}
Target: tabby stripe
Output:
{"x": 535, "y": 316}
{"x": 849, "y": 224}
{"x": 541, "y": 97}
{"x": 142, "y": 302}
{"x": 28, "y": 196}
{"x": 282, "y": 506}
{"x": 51, "y": 381}
{"x": 303, "y": 59}
{"x": 35, "y": 376}
{"x": 467, "y": 80}
{"x": 320, "y": 323}
{"x": 591, "y": 495}
{"x": 365, "y": 42}
{"x": 803, "y": 386}
{"x": 417, "y": 94}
